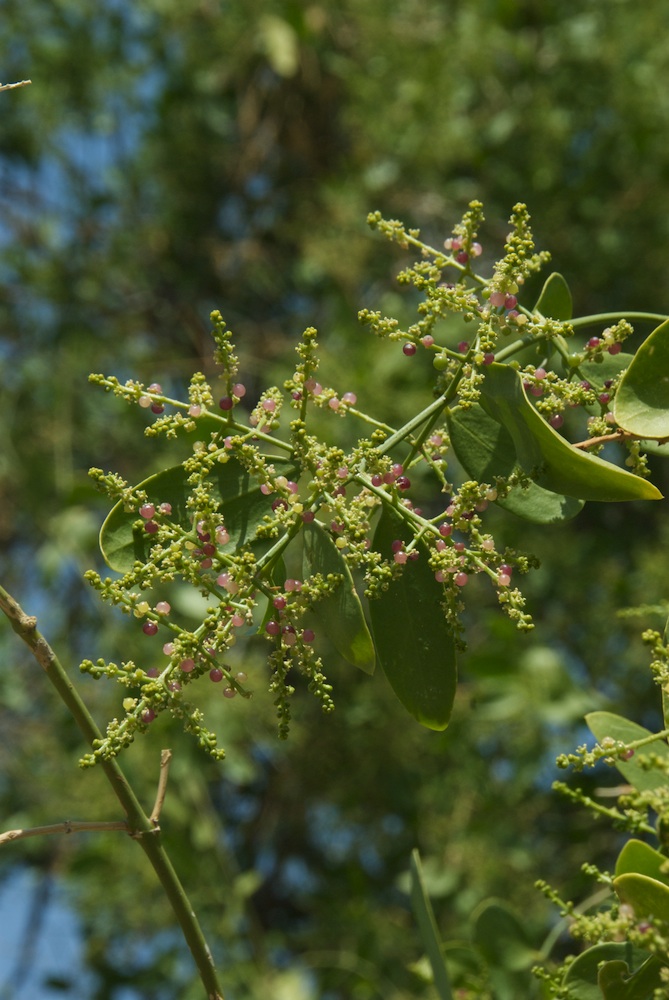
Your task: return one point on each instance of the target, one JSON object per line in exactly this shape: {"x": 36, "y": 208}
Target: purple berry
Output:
{"x": 215, "y": 675}
{"x": 226, "y": 403}
{"x": 409, "y": 350}
{"x": 403, "y": 483}
{"x": 149, "y": 628}
{"x": 272, "y": 627}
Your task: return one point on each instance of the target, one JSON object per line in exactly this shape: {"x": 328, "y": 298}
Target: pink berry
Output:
{"x": 439, "y": 576}
{"x": 215, "y": 675}
{"x": 615, "y": 348}
{"x": 497, "y": 299}
{"x": 168, "y": 648}
{"x": 289, "y": 635}
{"x": 427, "y": 340}
{"x": 237, "y": 620}
{"x": 540, "y": 373}
{"x": 195, "y": 410}
{"x": 163, "y": 608}
{"x": 308, "y": 635}
{"x": 272, "y": 627}
{"x": 149, "y": 628}
{"x": 459, "y": 546}
{"x": 503, "y": 580}
{"x": 147, "y": 510}
{"x": 349, "y": 398}
{"x": 187, "y": 665}
{"x": 477, "y": 249}
{"x": 510, "y": 302}
{"x": 156, "y": 387}
{"x": 445, "y": 529}
{"x": 593, "y": 342}
{"x": 279, "y": 602}
{"x": 269, "y": 405}
{"x": 229, "y": 693}
{"x": 166, "y": 509}
{"x": 238, "y": 390}
{"x": 460, "y": 579}
{"x": 377, "y": 479}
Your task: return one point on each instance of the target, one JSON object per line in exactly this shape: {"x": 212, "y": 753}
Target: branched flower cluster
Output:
{"x": 258, "y": 479}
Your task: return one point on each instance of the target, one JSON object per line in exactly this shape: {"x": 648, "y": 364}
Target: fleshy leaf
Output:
{"x": 616, "y": 983}
{"x": 642, "y": 402}
{"x": 646, "y": 896}
{"x": 638, "y": 858}
{"x": 340, "y": 613}
{"x": 584, "y": 976}
{"x": 414, "y": 644}
{"x": 555, "y": 299}
{"x": 485, "y": 449}
{"x": 603, "y": 724}
{"x": 427, "y": 927}
{"x": 241, "y": 503}
{"x": 550, "y": 460}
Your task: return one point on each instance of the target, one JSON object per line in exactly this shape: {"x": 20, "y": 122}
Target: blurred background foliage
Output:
{"x": 176, "y": 156}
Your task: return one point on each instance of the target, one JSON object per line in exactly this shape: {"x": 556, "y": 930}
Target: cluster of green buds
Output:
{"x": 379, "y": 544}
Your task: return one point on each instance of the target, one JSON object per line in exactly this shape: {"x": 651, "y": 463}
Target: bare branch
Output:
{"x": 165, "y": 758}
{"x": 13, "y": 86}
{"x": 68, "y": 826}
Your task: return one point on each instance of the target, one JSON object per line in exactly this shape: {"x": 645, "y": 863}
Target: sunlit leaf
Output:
{"x": 414, "y": 645}
{"x": 239, "y": 499}
{"x": 427, "y": 927}
{"x": 555, "y": 299}
{"x": 603, "y": 724}
{"x": 485, "y": 449}
{"x": 550, "y": 460}
{"x": 640, "y": 858}
{"x": 641, "y": 405}
{"x": 340, "y": 613}
{"x": 646, "y": 896}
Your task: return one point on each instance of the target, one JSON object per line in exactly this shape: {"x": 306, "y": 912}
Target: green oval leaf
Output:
{"x": 641, "y": 405}
{"x": 427, "y": 926}
{"x": 555, "y": 299}
{"x": 638, "y": 858}
{"x": 485, "y": 449}
{"x": 339, "y": 613}
{"x": 550, "y": 460}
{"x": 646, "y": 896}
{"x": 414, "y": 644}
{"x": 584, "y": 979}
{"x": 240, "y": 502}
{"x": 602, "y": 724}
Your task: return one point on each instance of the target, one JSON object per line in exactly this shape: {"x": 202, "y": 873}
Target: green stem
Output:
{"x": 608, "y": 317}
{"x": 140, "y": 826}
